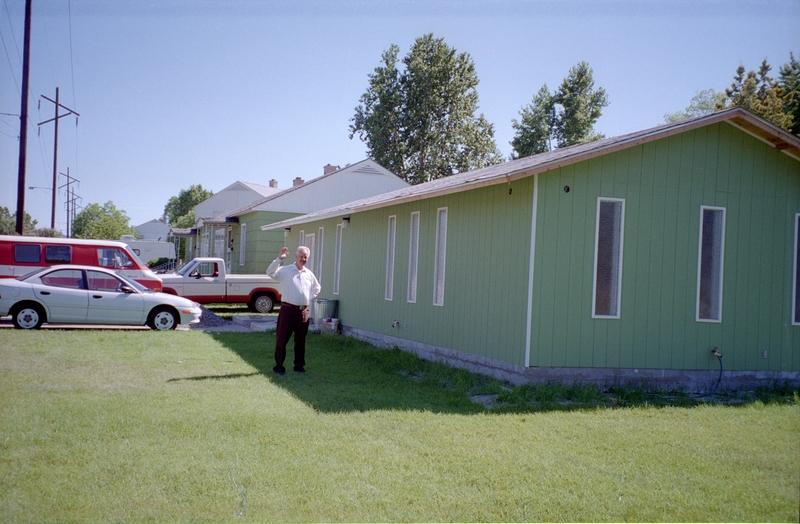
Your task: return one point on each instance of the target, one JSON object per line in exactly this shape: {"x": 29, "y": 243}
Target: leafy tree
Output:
{"x": 102, "y": 222}
{"x": 180, "y": 206}
{"x": 564, "y": 118}
{"x": 8, "y": 223}
{"x": 790, "y": 83}
{"x": 420, "y": 122}
{"x": 702, "y": 103}
{"x": 535, "y": 128}
{"x": 759, "y": 93}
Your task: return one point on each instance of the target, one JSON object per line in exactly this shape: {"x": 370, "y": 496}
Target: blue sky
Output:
{"x": 179, "y": 92}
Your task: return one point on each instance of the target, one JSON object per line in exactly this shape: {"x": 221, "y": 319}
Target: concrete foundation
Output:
{"x": 690, "y": 380}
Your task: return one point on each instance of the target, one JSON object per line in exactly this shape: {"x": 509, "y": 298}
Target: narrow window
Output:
{"x": 608, "y": 258}
{"x": 318, "y": 272}
{"x": 710, "y": 257}
{"x": 413, "y": 252}
{"x": 337, "y": 259}
{"x": 302, "y": 238}
{"x": 796, "y": 301}
{"x": 242, "y": 242}
{"x": 441, "y": 249}
{"x": 390, "y": 235}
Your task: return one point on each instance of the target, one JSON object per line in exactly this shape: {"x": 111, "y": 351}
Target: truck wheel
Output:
{"x": 28, "y": 316}
{"x": 162, "y": 318}
{"x": 262, "y": 303}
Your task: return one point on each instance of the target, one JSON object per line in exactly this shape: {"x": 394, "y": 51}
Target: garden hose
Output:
{"x": 719, "y": 357}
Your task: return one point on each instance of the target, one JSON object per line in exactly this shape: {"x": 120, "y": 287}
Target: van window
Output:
{"x": 57, "y": 254}
{"x": 27, "y": 253}
{"x": 113, "y": 258}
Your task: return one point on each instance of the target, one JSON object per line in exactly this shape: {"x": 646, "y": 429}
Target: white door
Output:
{"x": 108, "y": 304}
{"x": 64, "y": 294}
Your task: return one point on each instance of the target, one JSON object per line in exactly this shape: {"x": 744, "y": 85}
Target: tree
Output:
{"x": 102, "y": 222}
{"x": 702, "y": 103}
{"x": 178, "y": 207}
{"x": 420, "y": 122}
{"x": 759, "y": 94}
{"x": 564, "y": 118}
{"x": 790, "y": 83}
{"x": 8, "y": 223}
{"x": 535, "y": 128}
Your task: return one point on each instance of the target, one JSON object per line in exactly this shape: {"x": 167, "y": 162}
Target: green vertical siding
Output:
{"x": 663, "y": 183}
{"x": 261, "y": 246}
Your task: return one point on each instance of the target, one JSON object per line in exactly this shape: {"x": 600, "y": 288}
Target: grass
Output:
{"x": 228, "y": 311}
{"x": 189, "y": 426}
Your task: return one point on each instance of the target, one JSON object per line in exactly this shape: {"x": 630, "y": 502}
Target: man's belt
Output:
{"x": 301, "y": 308}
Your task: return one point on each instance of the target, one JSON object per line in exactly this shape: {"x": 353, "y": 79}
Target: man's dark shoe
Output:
{"x": 300, "y": 370}
{"x": 279, "y": 370}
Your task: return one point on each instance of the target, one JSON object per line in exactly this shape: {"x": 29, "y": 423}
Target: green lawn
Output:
{"x": 99, "y": 426}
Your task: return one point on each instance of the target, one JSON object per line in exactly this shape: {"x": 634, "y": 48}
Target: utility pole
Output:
{"x": 55, "y": 152}
{"x": 23, "y": 121}
{"x": 71, "y": 198}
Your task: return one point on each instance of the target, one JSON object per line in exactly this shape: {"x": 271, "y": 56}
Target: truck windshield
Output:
{"x": 185, "y": 270}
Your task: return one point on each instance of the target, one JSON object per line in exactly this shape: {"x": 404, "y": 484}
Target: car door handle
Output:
{"x": 97, "y": 296}
{"x": 44, "y": 292}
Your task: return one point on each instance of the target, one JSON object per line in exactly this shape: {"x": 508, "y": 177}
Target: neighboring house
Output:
{"x": 202, "y": 240}
{"x": 153, "y": 230}
{"x": 248, "y": 249}
{"x": 629, "y": 258}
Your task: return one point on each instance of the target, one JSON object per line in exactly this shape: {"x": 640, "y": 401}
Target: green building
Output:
{"x": 628, "y": 258}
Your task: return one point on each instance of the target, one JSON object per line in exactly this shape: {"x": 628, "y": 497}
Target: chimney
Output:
{"x": 329, "y": 169}
{"x": 273, "y": 183}
{"x": 298, "y": 182}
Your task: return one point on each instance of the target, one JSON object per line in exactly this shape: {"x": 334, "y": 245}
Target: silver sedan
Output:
{"x": 90, "y": 295}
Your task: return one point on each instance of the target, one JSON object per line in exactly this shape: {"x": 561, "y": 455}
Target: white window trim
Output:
{"x": 621, "y": 258}
{"x": 337, "y": 258}
{"x": 413, "y": 258}
{"x": 242, "y": 242}
{"x": 318, "y": 274}
{"x": 795, "y": 282}
{"x": 391, "y": 236}
{"x": 437, "y": 278}
{"x": 302, "y": 238}
{"x": 721, "y": 263}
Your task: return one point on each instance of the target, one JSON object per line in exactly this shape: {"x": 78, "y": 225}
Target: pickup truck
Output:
{"x": 204, "y": 280}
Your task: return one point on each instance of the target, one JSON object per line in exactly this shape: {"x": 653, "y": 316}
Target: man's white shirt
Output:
{"x": 297, "y": 287}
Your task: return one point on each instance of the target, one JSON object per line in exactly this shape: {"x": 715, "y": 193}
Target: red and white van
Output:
{"x": 21, "y": 255}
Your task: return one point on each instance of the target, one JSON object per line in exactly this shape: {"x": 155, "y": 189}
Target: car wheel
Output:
{"x": 262, "y": 303}
{"x": 163, "y": 318}
{"x": 28, "y": 316}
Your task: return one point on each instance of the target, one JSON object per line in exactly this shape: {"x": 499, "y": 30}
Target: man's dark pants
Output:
{"x": 290, "y": 321}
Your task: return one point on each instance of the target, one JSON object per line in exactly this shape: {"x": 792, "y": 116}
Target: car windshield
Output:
{"x": 26, "y": 276}
{"x": 135, "y": 285}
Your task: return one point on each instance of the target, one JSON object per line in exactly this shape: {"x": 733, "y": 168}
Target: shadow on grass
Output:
{"x": 345, "y": 374}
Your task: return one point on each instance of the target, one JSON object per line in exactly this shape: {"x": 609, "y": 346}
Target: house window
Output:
{"x": 390, "y": 236}
{"x": 441, "y": 251}
{"x": 302, "y": 238}
{"x": 796, "y": 301}
{"x": 318, "y": 272}
{"x": 311, "y": 244}
{"x": 337, "y": 259}
{"x": 219, "y": 243}
{"x": 608, "y": 257}
{"x": 710, "y": 257}
{"x": 413, "y": 253}
{"x": 242, "y": 242}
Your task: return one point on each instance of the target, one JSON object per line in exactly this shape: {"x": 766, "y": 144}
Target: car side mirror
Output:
{"x": 127, "y": 289}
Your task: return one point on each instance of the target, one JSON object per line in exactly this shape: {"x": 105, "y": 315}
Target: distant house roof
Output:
{"x": 528, "y": 166}
{"x": 364, "y": 167}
